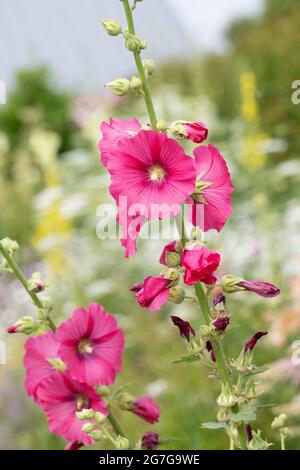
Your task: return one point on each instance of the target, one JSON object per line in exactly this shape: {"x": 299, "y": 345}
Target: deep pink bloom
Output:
{"x": 75, "y": 445}
{"x": 147, "y": 409}
{"x": 40, "y": 351}
{"x": 221, "y": 323}
{"x": 150, "y": 440}
{"x": 61, "y": 397}
{"x": 185, "y": 328}
{"x": 253, "y": 340}
{"x": 171, "y": 247}
{"x": 264, "y": 289}
{"x": 113, "y": 132}
{"x": 154, "y": 293}
{"x": 212, "y": 207}
{"x": 200, "y": 264}
{"x": 197, "y": 131}
{"x": 152, "y": 171}
{"x": 91, "y": 344}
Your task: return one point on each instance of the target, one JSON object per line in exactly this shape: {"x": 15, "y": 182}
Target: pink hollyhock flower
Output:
{"x": 75, "y": 445}
{"x": 41, "y": 360}
{"x": 253, "y": 340}
{"x": 211, "y": 204}
{"x": 196, "y": 131}
{"x": 153, "y": 171}
{"x": 131, "y": 227}
{"x": 154, "y": 292}
{"x": 185, "y": 328}
{"x": 147, "y": 409}
{"x": 150, "y": 440}
{"x": 170, "y": 248}
{"x": 61, "y": 397}
{"x": 200, "y": 264}
{"x": 264, "y": 289}
{"x": 113, "y": 132}
{"x": 91, "y": 344}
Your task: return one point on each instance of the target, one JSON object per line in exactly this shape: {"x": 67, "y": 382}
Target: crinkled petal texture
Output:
{"x": 200, "y": 265}
{"x": 131, "y": 227}
{"x": 211, "y": 168}
{"x": 38, "y": 350}
{"x": 152, "y": 170}
{"x": 105, "y": 340}
{"x": 147, "y": 409}
{"x": 60, "y": 397}
{"x": 154, "y": 293}
{"x": 113, "y": 132}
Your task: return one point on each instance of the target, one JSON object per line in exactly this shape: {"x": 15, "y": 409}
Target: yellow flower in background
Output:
{"x": 253, "y": 154}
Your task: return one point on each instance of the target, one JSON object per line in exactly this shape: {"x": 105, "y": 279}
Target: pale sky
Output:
{"x": 207, "y": 20}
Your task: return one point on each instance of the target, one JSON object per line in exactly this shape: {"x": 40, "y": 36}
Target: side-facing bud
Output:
{"x": 132, "y": 42}
{"x": 178, "y": 130}
{"x": 119, "y": 87}
{"x": 172, "y": 259}
{"x": 88, "y": 427}
{"x": 162, "y": 126}
{"x": 125, "y": 401}
{"x": 86, "y": 413}
{"x": 279, "y": 421}
{"x": 143, "y": 44}
{"x": 230, "y": 284}
{"x": 112, "y": 27}
{"x": 122, "y": 443}
{"x": 176, "y": 295}
{"x": 96, "y": 434}
{"x": 24, "y": 325}
{"x": 136, "y": 85}
{"x": 35, "y": 283}
{"x": 226, "y": 399}
{"x": 149, "y": 66}
{"x": 11, "y": 246}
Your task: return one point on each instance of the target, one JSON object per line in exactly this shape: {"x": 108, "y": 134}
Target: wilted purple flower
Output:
{"x": 253, "y": 340}
{"x": 249, "y": 432}
{"x": 185, "y": 328}
{"x": 209, "y": 348}
{"x": 219, "y": 298}
{"x": 150, "y": 440}
{"x": 221, "y": 323}
{"x": 264, "y": 289}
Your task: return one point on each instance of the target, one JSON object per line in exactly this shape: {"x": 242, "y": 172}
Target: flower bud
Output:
{"x": 229, "y": 284}
{"x": 172, "y": 274}
{"x": 132, "y": 42}
{"x": 149, "y": 66}
{"x": 96, "y": 434}
{"x": 286, "y": 432}
{"x": 257, "y": 442}
{"x": 205, "y": 331}
{"x": 112, "y": 27}
{"x": 223, "y": 414}
{"x": 162, "y": 126}
{"x": 85, "y": 414}
{"x": 253, "y": 340}
{"x": 125, "y": 401}
{"x": 11, "y": 246}
{"x": 100, "y": 418}
{"x": 279, "y": 421}
{"x": 119, "y": 87}
{"x": 172, "y": 259}
{"x": 143, "y": 44}
{"x": 178, "y": 130}
{"x": 136, "y": 85}
{"x": 24, "y": 325}
{"x": 102, "y": 390}
{"x": 176, "y": 295}
{"x": 226, "y": 399}
{"x": 35, "y": 283}
{"x": 122, "y": 443}
{"x": 185, "y": 328}
{"x": 87, "y": 427}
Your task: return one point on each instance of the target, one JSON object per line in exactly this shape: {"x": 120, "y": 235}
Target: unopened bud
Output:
{"x": 205, "y": 331}
{"x": 9, "y": 245}
{"x": 136, "y": 85}
{"x": 172, "y": 259}
{"x": 88, "y": 427}
{"x": 279, "y": 421}
{"x": 35, "y": 283}
{"x": 196, "y": 346}
{"x": 176, "y": 295}
{"x": 112, "y": 27}
{"x": 96, "y": 434}
{"x": 143, "y": 44}
{"x": 172, "y": 274}
{"x": 149, "y": 66}
{"x": 226, "y": 399}
{"x": 99, "y": 417}
{"x": 119, "y": 87}
{"x": 102, "y": 390}
{"x": 230, "y": 283}
{"x": 24, "y": 325}
{"x": 122, "y": 443}
{"x": 132, "y": 42}
{"x": 178, "y": 130}
{"x": 85, "y": 414}
{"x": 125, "y": 401}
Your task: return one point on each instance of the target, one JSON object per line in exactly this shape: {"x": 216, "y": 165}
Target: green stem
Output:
{"x": 140, "y": 67}
{"x": 116, "y": 424}
{"x": 20, "y": 276}
{"x": 282, "y": 441}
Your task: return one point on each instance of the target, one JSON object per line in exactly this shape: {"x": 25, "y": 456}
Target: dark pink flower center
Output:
{"x": 85, "y": 347}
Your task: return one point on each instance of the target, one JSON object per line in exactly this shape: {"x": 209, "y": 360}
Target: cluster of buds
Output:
{"x": 10, "y": 247}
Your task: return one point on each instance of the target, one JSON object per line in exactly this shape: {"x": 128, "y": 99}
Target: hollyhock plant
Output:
{"x": 200, "y": 264}
{"x": 41, "y": 360}
{"x": 131, "y": 227}
{"x": 113, "y": 132}
{"x": 147, "y": 409}
{"x": 61, "y": 397}
{"x": 91, "y": 344}
{"x": 153, "y": 293}
{"x": 152, "y": 170}
{"x": 211, "y": 202}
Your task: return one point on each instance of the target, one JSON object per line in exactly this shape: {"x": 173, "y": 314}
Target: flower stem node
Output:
{"x": 176, "y": 295}
{"x": 24, "y": 325}
{"x": 119, "y": 87}
{"x": 112, "y": 27}
{"x": 35, "y": 283}
{"x": 149, "y": 66}
{"x": 226, "y": 399}
{"x": 85, "y": 414}
{"x": 136, "y": 85}
{"x": 257, "y": 442}
{"x": 122, "y": 443}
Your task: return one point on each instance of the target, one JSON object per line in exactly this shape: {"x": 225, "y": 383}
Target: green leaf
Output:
{"x": 248, "y": 413}
{"x": 188, "y": 358}
{"x": 256, "y": 371}
{"x": 213, "y": 425}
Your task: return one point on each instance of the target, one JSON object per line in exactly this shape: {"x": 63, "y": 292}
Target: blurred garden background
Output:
{"x": 51, "y": 183}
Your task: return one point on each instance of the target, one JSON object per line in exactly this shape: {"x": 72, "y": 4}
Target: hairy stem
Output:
{"x": 20, "y": 276}
{"x": 140, "y": 67}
